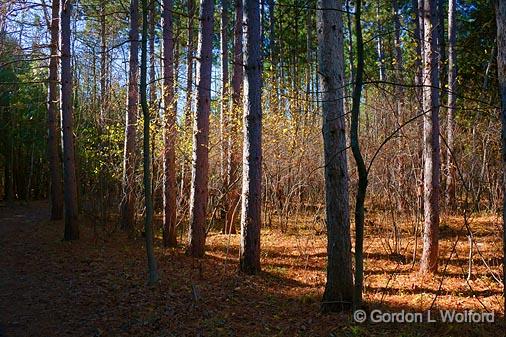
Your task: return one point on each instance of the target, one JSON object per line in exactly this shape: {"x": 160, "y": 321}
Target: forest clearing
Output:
{"x": 252, "y": 168}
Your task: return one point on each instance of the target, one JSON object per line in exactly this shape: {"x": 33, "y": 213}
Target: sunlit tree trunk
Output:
{"x": 200, "y": 150}
{"x": 431, "y": 150}
{"x": 127, "y": 207}
{"x": 169, "y": 136}
{"x": 452, "y": 98}
{"x": 53, "y": 140}
{"x": 148, "y": 221}
{"x": 500, "y": 9}
{"x": 252, "y": 146}
{"x": 69, "y": 163}
{"x": 338, "y": 293}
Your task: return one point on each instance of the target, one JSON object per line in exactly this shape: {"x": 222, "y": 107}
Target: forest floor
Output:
{"x": 97, "y": 286}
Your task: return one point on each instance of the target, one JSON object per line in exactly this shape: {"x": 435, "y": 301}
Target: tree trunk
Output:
{"x": 233, "y": 164}
{"x": 359, "y": 160}
{"x": 501, "y": 70}
{"x": 127, "y": 207}
{"x": 148, "y": 221}
{"x": 200, "y": 150}
{"x": 431, "y": 150}
{"x": 338, "y": 293}
{"x": 103, "y": 66}
{"x": 252, "y": 149}
{"x": 224, "y": 113}
{"x": 69, "y": 162}
{"x": 379, "y": 45}
{"x": 169, "y": 137}
{"x": 452, "y": 98}
{"x": 53, "y": 140}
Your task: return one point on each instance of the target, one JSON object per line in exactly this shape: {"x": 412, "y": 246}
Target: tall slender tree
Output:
{"x": 69, "y": 159}
{"x": 338, "y": 293}
{"x": 148, "y": 197}
{"x": 127, "y": 207}
{"x": 252, "y": 149}
{"x": 452, "y": 99}
{"x": 224, "y": 113}
{"x": 200, "y": 149}
{"x": 431, "y": 149}
{"x": 500, "y": 10}
{"x": 56, "y": 193}
{"x": 169, "y": 152}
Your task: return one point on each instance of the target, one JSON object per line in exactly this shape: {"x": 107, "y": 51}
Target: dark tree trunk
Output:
{"x": 224, "y": 113}
{"x": 338, "y": 293}
{"x": 200, "y": 163}
{"x": 252, "y": 151}
{"x": 69, "y": 162}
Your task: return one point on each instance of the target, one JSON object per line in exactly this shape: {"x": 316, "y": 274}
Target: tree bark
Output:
{"x": 169, "y": 158}
{"x": 200, "y": 149}
{"x": 338, "y": 293}
{"x": 148, "y": 221}
{"x": 249, "y": 255}
{"x": 103, "y": 66}
{"x": 233, "y": 164}
{"x": 452, "y": 98}
{"x": 500, "y": 8}
{"x": 224, "y": 113}
{"x": 127, "y": 207}
{"x": 431, "y": 150}
{"x": 69, "y": 163}
{"x": 53, "y": 140}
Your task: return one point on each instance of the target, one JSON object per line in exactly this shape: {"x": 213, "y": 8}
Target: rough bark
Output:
{"x": 103, "y": 66}
{"x": 69, "y": 163}
{"x": 127, "y": 207}
{"x": 452, "y": 98}
{"x": 148, "y": 197}
{"x": 249, "y": 255}
{"x": 53, "y": 139}
{"x": 338, "y": 293}
{"x": 169, "y": 153}
{"x": 200, "y": 150}
{"x": 233, "y": 164}
{"x": 501, "y": 71}
{"x": 431, "y": 149}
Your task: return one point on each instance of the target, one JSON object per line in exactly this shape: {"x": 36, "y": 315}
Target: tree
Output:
{"x": 338, "y": 293}
{"x": 169, "y": 152}
{"x": 224, "y": 113}
{"x": 500, "y": 10}
{"x": 148, "y": 197}
{"x": 56, "y": 192}
{"x": 127, "y": 206}
{"x": 69, "y": 157}
{"x": 200, "y": 150}
{"x": 249, "y": 255}
{"x": 233, "y": 164}
{"x": 431, "y": 150}
{"x": 452, "y": 98}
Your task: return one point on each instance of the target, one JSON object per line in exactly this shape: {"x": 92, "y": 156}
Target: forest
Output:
{"x": 252, "y": 168}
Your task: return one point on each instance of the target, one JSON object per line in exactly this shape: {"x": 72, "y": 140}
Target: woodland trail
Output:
{"x": 97, "y": 287}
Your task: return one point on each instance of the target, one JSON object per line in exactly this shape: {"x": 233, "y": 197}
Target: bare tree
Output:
{"x": 69, "y": 160}
{"x": 338, "y": 293}
{"x": 452, "y": 98}
{"x": 200, "y": 162}
{"x": 53, "y": 141}
{"x": 252, "y": 148}
{"x": 500, "y": 10}
{"x": 169, "y": 158}
{"x": 431, "y": 149}
{"x": 127, "y": 207}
